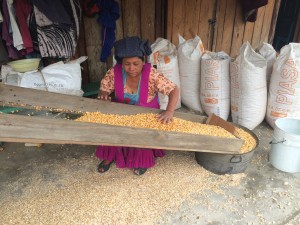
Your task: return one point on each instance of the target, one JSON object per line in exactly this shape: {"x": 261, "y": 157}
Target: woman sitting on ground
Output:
{"x": 137, "y": 83}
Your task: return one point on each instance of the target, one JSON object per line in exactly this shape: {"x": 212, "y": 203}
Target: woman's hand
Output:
{"x": 103, "y": 95}
{"x": 166, "y": 116}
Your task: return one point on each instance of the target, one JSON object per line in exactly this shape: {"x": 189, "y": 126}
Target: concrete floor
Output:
{"x": 264, "y": 195}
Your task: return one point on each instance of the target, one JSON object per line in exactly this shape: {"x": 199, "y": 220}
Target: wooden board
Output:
{"x": 147, "y": 20}
{"x": 30, "y": 98}
{"x": 58, "y": 131}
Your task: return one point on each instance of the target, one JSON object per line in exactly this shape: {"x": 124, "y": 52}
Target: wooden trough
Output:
{"x": 33, "y": 129}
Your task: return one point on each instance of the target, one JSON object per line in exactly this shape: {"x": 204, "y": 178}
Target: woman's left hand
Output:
{"x": 166, "y": 116}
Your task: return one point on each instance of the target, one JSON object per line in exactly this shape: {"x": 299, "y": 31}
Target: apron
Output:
{"x": 139, "y": 99}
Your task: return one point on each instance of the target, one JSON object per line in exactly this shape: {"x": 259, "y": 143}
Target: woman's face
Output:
{"x": 133, "y": 66}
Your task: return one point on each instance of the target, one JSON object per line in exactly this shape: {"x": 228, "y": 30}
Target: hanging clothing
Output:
{"x": 54, "y": 10}
{"x": 12, "y": 51}
{"x": 129, "y": 157}
{"x": 250, "y": 8}
{"x": 23, "y": 10}
{"x": 57, "y": 39}
{"x": 1, "y": 17}
{"x": 17, "y": 38}
{"x": 109, "y": 13}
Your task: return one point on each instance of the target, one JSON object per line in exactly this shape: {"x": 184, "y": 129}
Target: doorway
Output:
{"x": 286, "y": 23}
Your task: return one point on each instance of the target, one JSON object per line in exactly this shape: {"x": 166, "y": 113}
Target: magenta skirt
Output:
{"x": 129, "y": 157}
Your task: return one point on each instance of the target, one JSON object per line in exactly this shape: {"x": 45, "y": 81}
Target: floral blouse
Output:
{"x": 157, "y": 83}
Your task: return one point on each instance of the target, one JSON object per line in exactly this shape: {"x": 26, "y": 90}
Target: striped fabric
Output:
{"x": 57, "y": 39}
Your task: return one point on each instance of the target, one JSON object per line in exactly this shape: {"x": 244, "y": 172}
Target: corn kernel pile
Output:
{"x": 149, "y": 120}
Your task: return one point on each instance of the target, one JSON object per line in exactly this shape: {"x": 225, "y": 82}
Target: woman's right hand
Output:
{"x": 103, "y": 95}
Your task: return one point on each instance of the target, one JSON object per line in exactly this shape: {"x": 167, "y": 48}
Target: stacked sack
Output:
{"x": 284, "y": 89}
{"x": 164, "y": 58}
{"x": 248, "y": 87}
{"x": 189, "y": 56}
{"x": 215, "y": 84}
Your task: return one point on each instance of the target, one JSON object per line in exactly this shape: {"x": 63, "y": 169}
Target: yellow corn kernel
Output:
{"x": 149, "y": 121}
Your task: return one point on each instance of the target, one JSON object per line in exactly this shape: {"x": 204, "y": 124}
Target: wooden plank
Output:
{"x": 119, "y": 23}
{"x": 258, "y": 25}
{"x": 238, "y": 31}
{"x": 228, "y": 26}
{"x": 220, "y": 20}
{"x": 131, "y": 17}
{"x": 191, "y": 28}
{"x": 178, "y": 20}
{"x": 170, "y": 6}
{"x": 267, "y": 21}
{"x": 274, "y": 20}
{"x": 148, "y": 20}
{"x": 40, "y": 130}
{"x": 207, "y": 11}
{"x": 97, "y": 69}
{"x": 30, "y": 98}
{"x": 248, "y": 32}
{"x": 159, "y": 20}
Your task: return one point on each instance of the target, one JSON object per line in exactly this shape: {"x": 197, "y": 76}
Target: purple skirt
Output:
{"x": 129, "y": 157}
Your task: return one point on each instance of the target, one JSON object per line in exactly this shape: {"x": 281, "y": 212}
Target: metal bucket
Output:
{"x": 285, "y": 145}
{"x": 219, "y": 163}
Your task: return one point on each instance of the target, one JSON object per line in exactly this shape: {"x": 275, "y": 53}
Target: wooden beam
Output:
{"x": 274, "y": 21}
{"x": 131, "y": 17}
{"x": 148, "y": 20}
{"x": 57, "y": 131}
{"x": 31, "y": 98}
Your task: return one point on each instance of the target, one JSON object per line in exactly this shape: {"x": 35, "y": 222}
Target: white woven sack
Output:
{"x": 64, "y": 78}
{"x": 284, "y": 90}
{"x": 164, "y": 56}
{"x": 189, "y": 60}
{"x": 269, "y": 53}
{"x": 248, "y": 87}
{"x": 215, "y": 84}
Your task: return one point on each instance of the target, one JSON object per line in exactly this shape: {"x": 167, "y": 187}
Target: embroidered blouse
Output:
{"x": 157, "y": 83}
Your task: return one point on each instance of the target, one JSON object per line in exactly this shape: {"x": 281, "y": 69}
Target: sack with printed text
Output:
{"x": 248, "y": 87}
{"x": 164, "y": 58}
{"x": 284, "y": 89}
{"x": 189, "y": 58}
{"x": 215, "y": 84}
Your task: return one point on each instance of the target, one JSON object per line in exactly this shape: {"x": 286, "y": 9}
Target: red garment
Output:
{"x": 23, "y": 9}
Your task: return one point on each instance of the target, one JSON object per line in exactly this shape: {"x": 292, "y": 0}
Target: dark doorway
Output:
{"x": 286, "y": 23}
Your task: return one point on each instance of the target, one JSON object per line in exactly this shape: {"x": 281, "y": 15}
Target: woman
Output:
{"x": 137, "y": 83}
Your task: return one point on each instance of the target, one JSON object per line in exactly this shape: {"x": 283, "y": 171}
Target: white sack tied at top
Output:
{"x": 284, "y": 89}
{"x": 248, "y": 87}
{"x": 164, "y": 57}
{"x": 269, "y": 53}
{"x": 215, "y": 84}
{"x": 189, "y": 59}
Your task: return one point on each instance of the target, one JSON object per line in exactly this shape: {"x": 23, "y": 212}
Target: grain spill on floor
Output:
{"x": 73, "y": 192}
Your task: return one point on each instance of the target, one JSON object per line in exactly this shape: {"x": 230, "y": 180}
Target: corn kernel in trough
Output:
{"x": 149, "y": 120}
